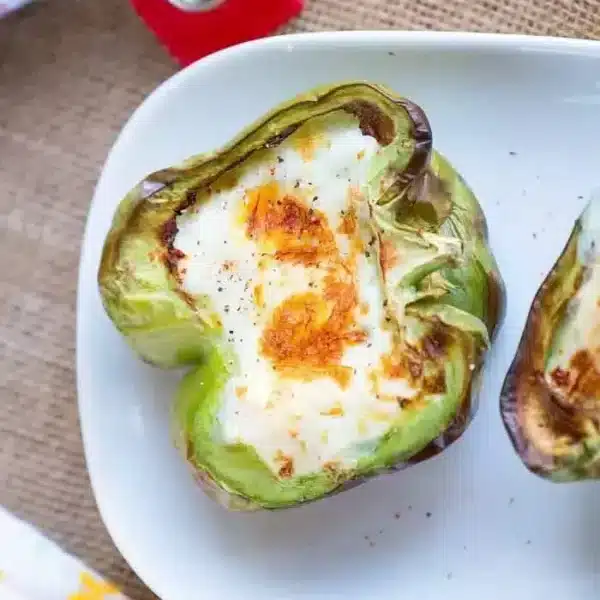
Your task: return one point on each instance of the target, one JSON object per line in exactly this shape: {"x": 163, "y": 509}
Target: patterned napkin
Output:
{"x": 7, "y": 6}
{"x": 34, "y": 568}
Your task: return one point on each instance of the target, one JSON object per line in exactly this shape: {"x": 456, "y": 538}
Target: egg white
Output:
{"x": 274, "y": 415}
{"x": 581, "y": 328}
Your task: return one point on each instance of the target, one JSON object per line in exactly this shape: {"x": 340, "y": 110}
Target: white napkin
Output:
{"x": 7, "y": 6}
{"x": 34, "y": 568}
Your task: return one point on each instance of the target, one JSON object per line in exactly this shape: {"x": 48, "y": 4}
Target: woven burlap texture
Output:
{"x": 71, "y": 71}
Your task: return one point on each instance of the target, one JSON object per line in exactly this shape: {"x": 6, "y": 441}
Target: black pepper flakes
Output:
{"x": 297, "y": 184}
{"x": 428, "y": 515}
{"x": 279, "y": 159}
{"x": 219, "y": 289}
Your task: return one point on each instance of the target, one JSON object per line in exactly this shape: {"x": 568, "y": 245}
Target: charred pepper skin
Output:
{"x": 550, "y": 398}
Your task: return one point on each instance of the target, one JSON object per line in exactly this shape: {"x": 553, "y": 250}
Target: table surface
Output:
{"x": 70, "y": 74}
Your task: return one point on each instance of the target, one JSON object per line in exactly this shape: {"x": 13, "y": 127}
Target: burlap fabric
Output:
{"x": 70, "y": 73}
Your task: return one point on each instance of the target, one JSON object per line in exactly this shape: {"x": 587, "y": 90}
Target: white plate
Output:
{"x": 520, "y": 118}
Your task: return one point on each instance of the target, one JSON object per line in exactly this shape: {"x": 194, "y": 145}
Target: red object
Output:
{"x": 188, "y": 36}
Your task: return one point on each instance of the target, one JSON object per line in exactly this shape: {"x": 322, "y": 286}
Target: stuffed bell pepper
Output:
{"x": 550, "y": 400}
{"x": 326, "y": 280}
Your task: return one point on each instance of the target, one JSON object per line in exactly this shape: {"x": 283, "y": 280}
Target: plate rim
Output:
{"x": 475, "y": 42}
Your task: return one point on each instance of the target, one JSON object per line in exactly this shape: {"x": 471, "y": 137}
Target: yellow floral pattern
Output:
{"x": 93, "y": 589}
{"x": 25, "y": 551}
